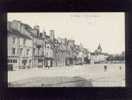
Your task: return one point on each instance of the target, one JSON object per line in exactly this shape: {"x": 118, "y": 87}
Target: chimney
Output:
{"x": 44, "y": 33}
{"x": 66, "y": 41}
{"x": 15, "y": 24}
{"x": 52, "y": 34}
{"x": 36, "y": 28}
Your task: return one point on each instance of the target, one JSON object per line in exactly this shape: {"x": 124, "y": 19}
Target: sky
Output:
{"x": 87, "y": 28}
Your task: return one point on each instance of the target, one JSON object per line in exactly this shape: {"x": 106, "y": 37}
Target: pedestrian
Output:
{"x": 120, "y": 68}
{"x": 105, "y": 68}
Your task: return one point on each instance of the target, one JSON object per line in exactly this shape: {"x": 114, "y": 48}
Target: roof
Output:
{"x": 94, "y": 53}
{"x": 27, "y": 26}
{"x": 18, "y": 34}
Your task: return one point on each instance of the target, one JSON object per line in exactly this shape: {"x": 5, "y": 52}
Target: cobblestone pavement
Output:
{"x": 70, "y": 76}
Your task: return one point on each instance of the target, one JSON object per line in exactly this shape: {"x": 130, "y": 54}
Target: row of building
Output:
{"x": 28, "y": 48}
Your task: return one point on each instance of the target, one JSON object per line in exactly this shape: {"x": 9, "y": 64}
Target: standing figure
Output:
{"x": 105, "y": 68}
{"x": 120, "y": 67}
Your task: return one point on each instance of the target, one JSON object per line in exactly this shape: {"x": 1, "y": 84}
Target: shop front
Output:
{"x": 48, "y": 62}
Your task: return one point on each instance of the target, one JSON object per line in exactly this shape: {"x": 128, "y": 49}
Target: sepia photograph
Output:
{"x": 66, "y": 49}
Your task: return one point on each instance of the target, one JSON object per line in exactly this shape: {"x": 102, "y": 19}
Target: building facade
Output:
{"x": 19, "y": 46}
{"x": 98, "y": 56}
{"x": 28, "y": 48}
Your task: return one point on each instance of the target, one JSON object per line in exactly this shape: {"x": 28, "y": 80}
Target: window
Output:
{"x": 30, "y": 61}
{"x": 21, "y": 49}
{"x": 24, "y": 41}
{"x": 40, "y": 60}
{"x": 13, "y": 50}
{"x": 42, "y": 53}
{"x": 14, "y": 40}
{"x": 27, "y": 51}
{"x": 45, "y": 44}
{"x": 33, "y": 50}
{"x": 14, "y": 61}
{"x": 8, "y": 61}
{"x": 47, "y": 54}
{"x": 41, "y": 35}
{"x": 24, "y": 62}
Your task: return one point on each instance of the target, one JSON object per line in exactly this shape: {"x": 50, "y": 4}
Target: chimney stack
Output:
{"x": 52, "y": 34}
{"x": 44, "y": 33}
{"x": 36, "y": 28}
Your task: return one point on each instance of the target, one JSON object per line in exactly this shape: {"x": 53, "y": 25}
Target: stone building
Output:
{"x": 98, "y": 56}
{"x": 19, "y": 46}
{"x": 38, "y": 47}
{"x": 60, "y": 54}
{"x": 32, "y": 48}
{"x": 81, "y": 54}
{"x": 48, "y": 49}
{"x": 70, "y": 52}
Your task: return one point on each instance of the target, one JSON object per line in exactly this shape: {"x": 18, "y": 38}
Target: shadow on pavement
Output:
{"x": 52, "y": 82}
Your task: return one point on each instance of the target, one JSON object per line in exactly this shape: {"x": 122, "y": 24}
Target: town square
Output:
{"x": 38, "y": 57}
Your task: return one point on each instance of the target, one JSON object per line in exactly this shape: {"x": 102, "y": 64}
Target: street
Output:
{"x": 92, "y": 75}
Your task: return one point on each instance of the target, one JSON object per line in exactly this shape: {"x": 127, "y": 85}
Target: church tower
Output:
{"x": 99, "y": 48}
